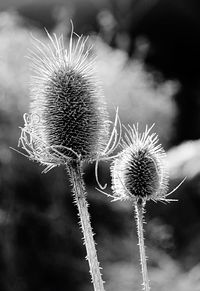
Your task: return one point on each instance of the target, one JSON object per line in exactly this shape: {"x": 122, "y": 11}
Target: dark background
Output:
{"x": 148, "y": 60}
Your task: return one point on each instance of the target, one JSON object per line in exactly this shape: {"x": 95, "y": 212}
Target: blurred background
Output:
{"x": 148, "y": 60}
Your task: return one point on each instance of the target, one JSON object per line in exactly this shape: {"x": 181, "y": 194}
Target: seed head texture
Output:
{"x": 139, "y": 171}
{"x": 67, "y": 102}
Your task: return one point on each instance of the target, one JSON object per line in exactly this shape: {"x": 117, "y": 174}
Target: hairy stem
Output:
{"x": 139, "y": 211}
{"x": 75, "y": 173}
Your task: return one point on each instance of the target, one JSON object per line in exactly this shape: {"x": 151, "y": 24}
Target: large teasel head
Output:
{"x": 68, "y": 118}
{"x": 139, "y": 171}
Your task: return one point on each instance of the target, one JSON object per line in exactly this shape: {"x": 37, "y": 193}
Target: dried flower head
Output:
{"x": 68, "y": 118}
{"x": 139, "y": 171}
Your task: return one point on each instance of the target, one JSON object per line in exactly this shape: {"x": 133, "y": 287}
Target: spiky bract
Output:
{"x": 139, "y": 171}
{"x": 67, "y": 102}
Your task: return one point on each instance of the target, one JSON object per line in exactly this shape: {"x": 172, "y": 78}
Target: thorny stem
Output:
{"x": 75, "y": 173}
{"x": 139, "y": 211}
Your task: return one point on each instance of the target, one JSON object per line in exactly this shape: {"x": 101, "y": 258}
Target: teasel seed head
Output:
{"x": 68, "y": 117}
{"x": 139, "y": 171}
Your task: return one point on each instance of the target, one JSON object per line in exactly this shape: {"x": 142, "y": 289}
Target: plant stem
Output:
{"x": 75, "y": 173}
{"x": 139, "y": 210}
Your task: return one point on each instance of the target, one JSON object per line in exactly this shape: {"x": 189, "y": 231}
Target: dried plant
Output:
{"x": 139, "y": 174}
{"x": 68, "y": 122}
{"x": 68, "y": 125}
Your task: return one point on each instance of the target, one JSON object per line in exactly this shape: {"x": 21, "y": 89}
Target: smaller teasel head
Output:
{"x": 139, "y": 171}
{"x": 68, "y": 118}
